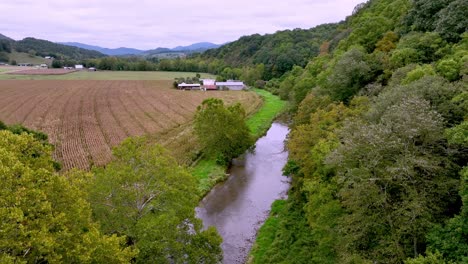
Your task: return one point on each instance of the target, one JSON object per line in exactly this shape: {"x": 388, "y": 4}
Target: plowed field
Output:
{"x": 85, "y": 119}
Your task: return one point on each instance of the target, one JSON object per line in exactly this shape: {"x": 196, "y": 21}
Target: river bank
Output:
{"x": 238, "y": 206}
{"x": 208, "y": 172}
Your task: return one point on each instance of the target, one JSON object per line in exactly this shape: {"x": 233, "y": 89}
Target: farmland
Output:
{"x": 103, "y": 75}
{"x": 86, "y": 118}
{"x": 42, "y": 72}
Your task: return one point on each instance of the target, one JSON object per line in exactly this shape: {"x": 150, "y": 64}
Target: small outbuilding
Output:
{"x": 189, "y": 86}
{"x": 79, "y": 67}
{"x": 43, "y": 66}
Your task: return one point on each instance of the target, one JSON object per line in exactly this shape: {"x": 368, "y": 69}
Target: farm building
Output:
{"x": 209, "y": 84}
{"x": 79, "y": 67}
{"x": 189, "y": 86}
{"x": 231, "y": 85}
{"x": 43, "y": 66}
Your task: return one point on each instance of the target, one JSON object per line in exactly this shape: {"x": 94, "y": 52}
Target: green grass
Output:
{"x": 208, "y": 172}
{"x": 259, "y": 122}
{"x": 267, "y": 232}
{"x": 108, "y": 75}
{"x": 21, "y": 57}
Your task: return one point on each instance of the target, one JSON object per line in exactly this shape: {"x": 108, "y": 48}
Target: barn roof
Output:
{"x": 230, "y": 83}
{"x": 189, "y": 85}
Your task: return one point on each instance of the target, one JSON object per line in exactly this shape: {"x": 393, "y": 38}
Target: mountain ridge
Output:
{"x": 195, "y": 47}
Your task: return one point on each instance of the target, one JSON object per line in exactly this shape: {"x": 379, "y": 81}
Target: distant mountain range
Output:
{"x": 196, "y": 47}
{"x": 111, "y": 52}
{"x": 76, "y": 50}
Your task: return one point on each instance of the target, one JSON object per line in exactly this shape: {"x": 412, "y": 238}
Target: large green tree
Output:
{"x": 145, "y": 195}
{"x": 222, "y": 130}
{"x": 44, "y": 217}
{"x": 395, "y": 181}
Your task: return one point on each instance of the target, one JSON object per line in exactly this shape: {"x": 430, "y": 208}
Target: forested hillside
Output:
{"x": 47, "y": 48}
{"x": 39, "y": 47}
{"x": 378, "y": 147}
{"x": 277, "y": 52}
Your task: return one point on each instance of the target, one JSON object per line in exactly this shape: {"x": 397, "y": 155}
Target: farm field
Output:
{"x": 43, "y": 72}
{"x": 106, "y": 75}
{"x": 86, "y": 118}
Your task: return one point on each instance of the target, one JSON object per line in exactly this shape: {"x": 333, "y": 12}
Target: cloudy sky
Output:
{"x": 147, "y": 24}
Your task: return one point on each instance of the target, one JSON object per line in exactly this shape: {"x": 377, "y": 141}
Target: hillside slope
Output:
{"x": 377, "y": 149}
{"x": 47, "y": 48}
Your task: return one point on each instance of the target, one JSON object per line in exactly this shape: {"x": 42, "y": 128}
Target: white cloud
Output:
{"x": 149, "y": 24}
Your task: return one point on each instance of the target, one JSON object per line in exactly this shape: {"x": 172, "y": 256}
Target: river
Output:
{"x": 240, "y": 205}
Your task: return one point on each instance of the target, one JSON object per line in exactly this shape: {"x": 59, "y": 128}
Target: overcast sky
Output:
{"x": 146, "y": 24}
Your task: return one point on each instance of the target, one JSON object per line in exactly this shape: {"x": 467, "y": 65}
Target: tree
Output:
{"x": 32, "y": 53}
{"x": 449, "y": 68}
{"x": 395, "y": 181}
{"x": 44, "y": 217}
{"x": 222, "y": 131}
{"x": 145, "y": 195}
{"x": 349, "y": 75}
{"x": 423, "y": 14}
{"x": 452, "y": 21}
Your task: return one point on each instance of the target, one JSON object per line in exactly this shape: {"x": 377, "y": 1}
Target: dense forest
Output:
{"x": 378, "y": 147}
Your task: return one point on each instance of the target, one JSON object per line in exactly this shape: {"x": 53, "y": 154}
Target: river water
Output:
{"x": 240, "y": 205}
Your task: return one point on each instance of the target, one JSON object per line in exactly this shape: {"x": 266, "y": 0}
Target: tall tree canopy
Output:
{"x": 222, "y": 130}
{"x": 146, "y": 196}
{"x": 45, "y": 217}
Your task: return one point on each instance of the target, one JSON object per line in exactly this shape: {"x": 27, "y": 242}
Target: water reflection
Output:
{"x": 240, "y": 205}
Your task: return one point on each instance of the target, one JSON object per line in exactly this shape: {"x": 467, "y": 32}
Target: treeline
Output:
{"x": 138, "y": 209}
{"x": 378, "y": 143}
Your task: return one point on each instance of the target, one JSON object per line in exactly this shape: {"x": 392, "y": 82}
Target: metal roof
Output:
{"x": 230, "y": 83}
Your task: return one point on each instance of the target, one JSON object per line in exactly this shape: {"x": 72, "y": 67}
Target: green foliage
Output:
{"x": 278, "y": 52}
{"x": 430, "y": 258}
{"x": 44, "y": 216}
{"x": 451, "y": 239}
{"x": 417, "y": 73}
{"x": 145, "y": 195}
{"x": 449, "y": 69}
{"x": 395, "y": 182}
{"x": 436, "y": 90}
{"x": 452, "y": 20}
{"x": 349, "y": 75}
{"x": 403, "y": 57}
{"x": 222, "y": 131}
{"x": 458, "y": 134}
{"x": 47, "y": 48}
{"x": 369, "y": 30}
{"x": 4, "y": 57}
{"x": 428, "y": 46}
{"x": 423, "y": 14}
{"x": 266, "y": 234}
{"x": 271, "y": 108}
{"x": 376, "y": 181}
{"x": 388, "y": 42}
